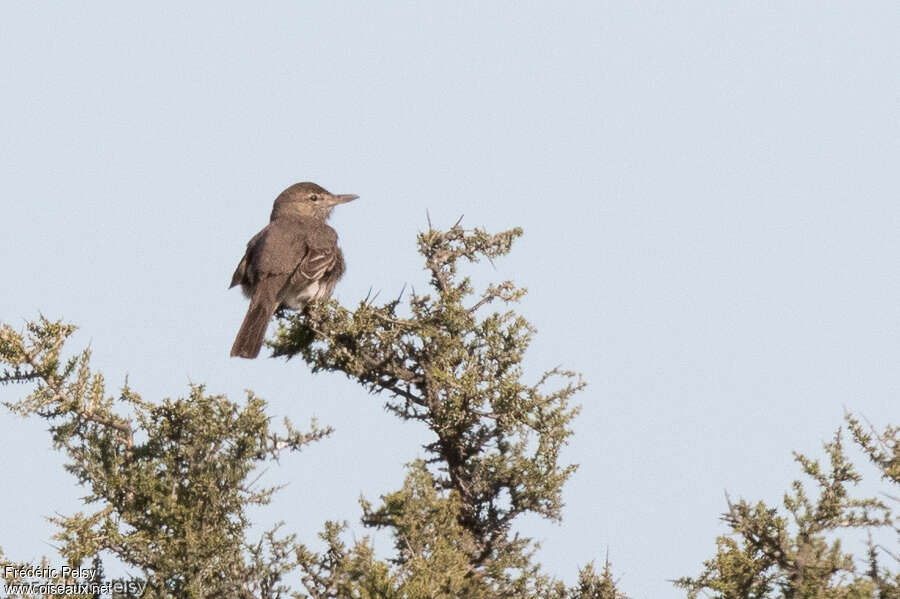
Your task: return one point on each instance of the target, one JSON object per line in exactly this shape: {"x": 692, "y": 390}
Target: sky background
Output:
{"x": 709, "y": 193}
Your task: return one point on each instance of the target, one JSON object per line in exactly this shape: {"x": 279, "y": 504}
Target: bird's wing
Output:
{"x": 322, "y": 252}
{"x": 240, "y": 273}
{"x": 308, "y": 248}
{"x": 277, "y": 249}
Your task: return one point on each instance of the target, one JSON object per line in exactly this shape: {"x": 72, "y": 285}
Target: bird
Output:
{"x": 294, "y": 260}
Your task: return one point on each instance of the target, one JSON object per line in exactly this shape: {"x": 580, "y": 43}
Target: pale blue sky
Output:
{"x": 709, "y": 192}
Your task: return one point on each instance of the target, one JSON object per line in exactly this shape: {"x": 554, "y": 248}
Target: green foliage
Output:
{"x": 796, "y": 552}
{"x": 169, "y": 483}
{"x": 594, "y": 585}
{"x": 495, "y": 453}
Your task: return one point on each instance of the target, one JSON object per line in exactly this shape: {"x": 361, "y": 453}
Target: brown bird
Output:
{"x": 293, "y": 260}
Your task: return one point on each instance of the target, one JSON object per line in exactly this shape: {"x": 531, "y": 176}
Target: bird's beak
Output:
{"x": 343, "y": 199}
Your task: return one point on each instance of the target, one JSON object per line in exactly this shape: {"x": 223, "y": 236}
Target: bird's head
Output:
{"x": 307, "y": 199}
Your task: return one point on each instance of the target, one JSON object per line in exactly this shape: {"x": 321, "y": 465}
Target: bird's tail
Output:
{"x": 250, "y": 337}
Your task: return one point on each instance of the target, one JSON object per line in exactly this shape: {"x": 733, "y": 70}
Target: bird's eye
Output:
{"x": 314, "y": 198}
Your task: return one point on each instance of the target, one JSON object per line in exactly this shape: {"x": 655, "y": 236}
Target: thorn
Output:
{"x": 399, "y": 297}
